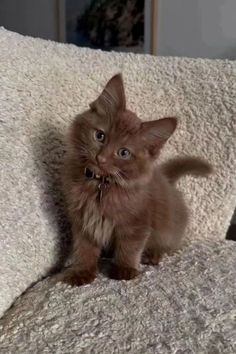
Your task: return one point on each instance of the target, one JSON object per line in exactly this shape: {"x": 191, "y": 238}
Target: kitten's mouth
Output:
{"x": 92, "y": 175}
{"x": 103, "y": 181}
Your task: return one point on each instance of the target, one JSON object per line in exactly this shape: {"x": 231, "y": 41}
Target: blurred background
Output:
{"x": 192, "y": 28}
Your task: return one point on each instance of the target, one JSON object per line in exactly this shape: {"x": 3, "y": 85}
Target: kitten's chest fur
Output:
{"x": 95, "y": 223}
{"x": 116, "y": 209}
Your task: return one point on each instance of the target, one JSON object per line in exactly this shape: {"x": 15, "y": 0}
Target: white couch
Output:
{"x": 185, "y": 305}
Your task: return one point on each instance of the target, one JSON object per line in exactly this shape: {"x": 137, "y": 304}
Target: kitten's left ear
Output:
{"x": 112, "y": 98}
{"x": 157, "y": 132}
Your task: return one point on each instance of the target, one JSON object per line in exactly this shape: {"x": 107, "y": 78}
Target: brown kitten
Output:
{"x": 116, "y": 194}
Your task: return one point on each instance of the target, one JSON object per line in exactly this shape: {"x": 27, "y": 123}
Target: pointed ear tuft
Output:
{"x": 157, "y": 132}
{"x": 112, "y": 98}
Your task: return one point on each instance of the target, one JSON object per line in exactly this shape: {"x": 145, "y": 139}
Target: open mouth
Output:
{"x": 92, "y": 175}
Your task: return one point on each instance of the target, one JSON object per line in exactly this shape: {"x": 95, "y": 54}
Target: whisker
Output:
{"x": 121, "y": 181}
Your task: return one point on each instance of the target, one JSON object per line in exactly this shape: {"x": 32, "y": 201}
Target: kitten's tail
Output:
{"x": 181, "y": 166}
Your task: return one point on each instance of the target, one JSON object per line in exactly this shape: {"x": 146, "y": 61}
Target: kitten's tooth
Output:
{"x": 97, "y": 176}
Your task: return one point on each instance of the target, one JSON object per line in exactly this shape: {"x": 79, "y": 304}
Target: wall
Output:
{"x": 197, "y": 28}
{"x": 37, "y": 18}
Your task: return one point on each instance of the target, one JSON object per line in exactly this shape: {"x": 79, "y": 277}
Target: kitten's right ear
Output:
{"x": 112, "y": 98}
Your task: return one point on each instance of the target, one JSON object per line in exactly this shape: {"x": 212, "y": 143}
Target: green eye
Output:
{"x": 99, "y": 136}
{"x": 124, "y": 153}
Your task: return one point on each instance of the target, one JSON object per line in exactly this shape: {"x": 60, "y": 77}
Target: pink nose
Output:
{"x": 101, "y": 159}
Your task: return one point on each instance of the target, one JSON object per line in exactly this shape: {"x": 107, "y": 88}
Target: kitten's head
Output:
{"x": 112, "y": 141}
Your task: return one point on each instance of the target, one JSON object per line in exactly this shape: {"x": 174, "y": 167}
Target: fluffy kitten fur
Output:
{"x": 141, "y": 213}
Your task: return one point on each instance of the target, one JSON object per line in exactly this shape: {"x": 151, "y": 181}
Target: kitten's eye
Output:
{"x": 124, "y": 153}
{"x": 99, "y": 136}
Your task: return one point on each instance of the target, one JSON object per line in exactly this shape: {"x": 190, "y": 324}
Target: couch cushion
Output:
{"x": 44, "y": 84}
{"x": 186, "y": 305}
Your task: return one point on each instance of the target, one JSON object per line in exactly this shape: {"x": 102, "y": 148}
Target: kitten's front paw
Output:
{"x": 122, "y": 273}
{"x": 76, "y": 277}
{"x": 151, "y": 258}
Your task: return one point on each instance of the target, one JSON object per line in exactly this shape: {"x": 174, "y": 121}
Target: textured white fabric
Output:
{"x": 44, "y": 84}
{"x": 187, "y": 305}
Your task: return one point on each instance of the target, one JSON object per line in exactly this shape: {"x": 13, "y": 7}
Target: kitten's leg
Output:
{"x": 160, "y": 243}
{"x": 84, "y": 267}
{"x": 128, "y": 253}
{"x": 168, "y": 231}
{"x": 152, "y": 253}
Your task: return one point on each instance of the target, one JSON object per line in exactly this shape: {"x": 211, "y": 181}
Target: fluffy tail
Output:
{"x": 181, "y": 166}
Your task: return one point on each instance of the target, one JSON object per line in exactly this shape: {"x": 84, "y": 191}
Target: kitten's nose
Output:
{"x": 101, "y": 159}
